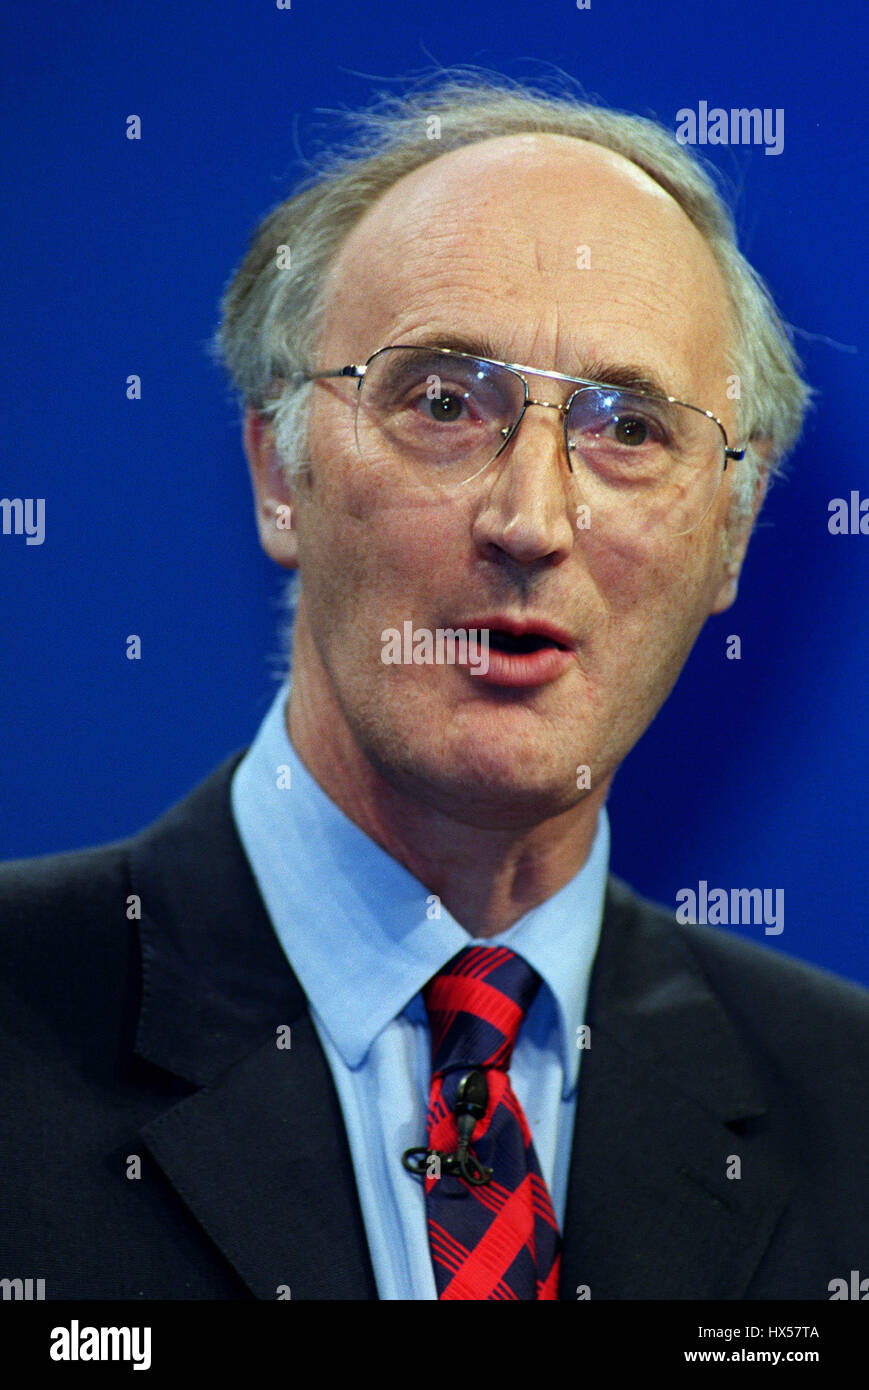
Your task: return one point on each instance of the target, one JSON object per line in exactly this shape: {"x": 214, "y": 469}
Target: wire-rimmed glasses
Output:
{"x": 438, "y": 417}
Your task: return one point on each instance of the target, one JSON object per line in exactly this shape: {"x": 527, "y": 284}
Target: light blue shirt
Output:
{"x": 363, "y": 937}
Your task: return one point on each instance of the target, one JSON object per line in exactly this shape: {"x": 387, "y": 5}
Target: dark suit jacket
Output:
{"x": 157, "y": 1038}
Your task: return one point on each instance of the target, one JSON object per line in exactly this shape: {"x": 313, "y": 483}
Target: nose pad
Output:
{"x": 510, "y": 431}
{"x": 563, "y": 412}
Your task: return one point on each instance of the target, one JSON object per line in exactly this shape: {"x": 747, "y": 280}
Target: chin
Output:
{"x": 505, "y": 758}
{"x": 487, "y": 782}
{"x": 516, "y": 807}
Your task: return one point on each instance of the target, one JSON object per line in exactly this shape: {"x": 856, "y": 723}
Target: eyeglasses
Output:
{"x": 435, "y": 418}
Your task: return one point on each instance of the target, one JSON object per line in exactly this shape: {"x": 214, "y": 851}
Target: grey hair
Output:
{"x": 271, "y": 315}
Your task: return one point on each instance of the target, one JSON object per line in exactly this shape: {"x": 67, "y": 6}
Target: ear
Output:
{"x": 272, "y": 494}
{"x": 738, "y": 530}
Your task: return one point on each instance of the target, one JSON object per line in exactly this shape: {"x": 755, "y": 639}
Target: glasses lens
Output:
{"x": 435, "y": 418}
{"x": 643, "y": 460}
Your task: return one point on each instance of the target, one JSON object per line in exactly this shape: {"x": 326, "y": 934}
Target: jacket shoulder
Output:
{"x": 66, "y": 919}
{"x": 83, "y": 878}
{"x": 782, "y": 1003}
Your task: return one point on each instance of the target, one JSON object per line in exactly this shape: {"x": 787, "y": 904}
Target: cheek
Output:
{"x": 638, "y": 576}
{"x": 368, "y": 562}
{"x": 655, "y": 598}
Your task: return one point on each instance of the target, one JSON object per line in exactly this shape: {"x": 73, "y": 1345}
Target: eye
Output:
{"x": 632, "y": 426}
{"x": 630, "y": 429}
{"x": 445, "y": 408}
{"x": 626, "y": 421}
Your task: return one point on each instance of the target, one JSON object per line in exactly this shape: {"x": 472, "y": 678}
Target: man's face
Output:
{"x": 482, "y": 242}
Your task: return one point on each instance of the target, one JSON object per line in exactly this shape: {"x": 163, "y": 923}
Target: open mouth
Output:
{"x": 514, "y": 644}
{"x": 522, "y": 652}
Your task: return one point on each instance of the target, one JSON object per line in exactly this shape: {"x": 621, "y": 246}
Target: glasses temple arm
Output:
{"x": 352, "y": 370}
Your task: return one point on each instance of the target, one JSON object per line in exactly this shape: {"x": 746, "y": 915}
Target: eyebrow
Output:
{"x": 629, "y": 376}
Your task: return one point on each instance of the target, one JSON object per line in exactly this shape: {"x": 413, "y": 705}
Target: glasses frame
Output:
{"x": 358, "y": 370}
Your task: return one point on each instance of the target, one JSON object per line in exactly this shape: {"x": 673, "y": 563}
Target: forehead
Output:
{"x": 544, "y": 244}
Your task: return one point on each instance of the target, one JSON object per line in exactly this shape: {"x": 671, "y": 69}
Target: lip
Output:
{"x": 527, "y": 668}
{"x": 521, "y": 627}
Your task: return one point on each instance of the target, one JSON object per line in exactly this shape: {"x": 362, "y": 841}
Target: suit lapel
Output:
{"x": 261, "y": 1160}
{"x": 667, "y": 1098}
{"x": 259, "y": 1152}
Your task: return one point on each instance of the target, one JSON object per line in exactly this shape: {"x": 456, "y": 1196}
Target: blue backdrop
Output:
{"x": 116, "y": 252}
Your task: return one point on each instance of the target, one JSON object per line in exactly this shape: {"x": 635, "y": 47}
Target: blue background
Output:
{"x": 116, "y": 253}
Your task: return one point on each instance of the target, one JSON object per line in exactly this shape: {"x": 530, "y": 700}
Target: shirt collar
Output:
{"x": 360, "y": 932}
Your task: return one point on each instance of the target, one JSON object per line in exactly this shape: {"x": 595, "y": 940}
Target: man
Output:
{"x": 365, "y": 1016}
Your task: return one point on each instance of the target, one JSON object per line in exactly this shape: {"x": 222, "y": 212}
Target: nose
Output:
{"x": 562, "y": 410}
{"x": 527, "y": 513}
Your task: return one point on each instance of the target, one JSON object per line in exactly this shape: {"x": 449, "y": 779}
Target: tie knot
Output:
{"x": 476, "y": 1005}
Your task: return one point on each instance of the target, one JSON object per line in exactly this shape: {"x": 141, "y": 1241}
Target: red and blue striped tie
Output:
{"x": 498, "y": 1240}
